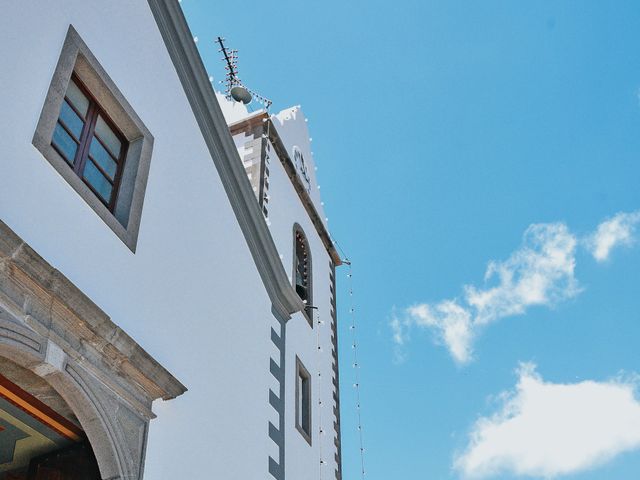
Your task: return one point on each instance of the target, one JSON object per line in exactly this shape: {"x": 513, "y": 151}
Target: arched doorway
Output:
{"x": 40, "y": 435}
{"x": 98, "y": 379}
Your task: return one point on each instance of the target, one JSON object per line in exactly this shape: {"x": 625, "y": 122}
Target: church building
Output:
{"x": 167, "y": 278}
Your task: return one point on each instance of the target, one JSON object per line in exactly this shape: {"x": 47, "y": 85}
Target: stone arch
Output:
{"x": 33, "y": 352}
{"x": 48, "y": 326}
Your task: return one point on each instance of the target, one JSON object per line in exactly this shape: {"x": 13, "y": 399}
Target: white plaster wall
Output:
{"x": 291, "y": 124}
{"x": 191, "y": 295}
{"x": 285, "y": 209}
{"x": 302, "y": 460}
{"x": 233, "y": 111}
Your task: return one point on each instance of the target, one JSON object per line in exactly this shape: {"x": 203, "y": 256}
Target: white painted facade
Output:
{"x": 284, "y": 209}
{"x": 191, "y": 295}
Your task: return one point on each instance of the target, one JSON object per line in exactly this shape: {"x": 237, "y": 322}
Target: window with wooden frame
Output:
{"x": 302, "y": 271}
{"x": 303, "y": 401}
{"x": 90, "y": 143}
{"x": 93, "y": 138}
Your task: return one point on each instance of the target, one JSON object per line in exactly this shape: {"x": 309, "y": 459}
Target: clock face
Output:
{"x": 301, "y": 168}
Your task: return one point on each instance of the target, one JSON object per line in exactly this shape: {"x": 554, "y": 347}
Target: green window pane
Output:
{"x": 71, "y": 119}
{"x": 108, "y": 137}
{"x": 64, "y": 143}
{"x": 77, "y": 98}
{"x": 98, "y": 181}
{"x": 102, "y": 158}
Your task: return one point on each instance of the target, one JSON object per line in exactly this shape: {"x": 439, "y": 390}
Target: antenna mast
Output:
{"x": 234, "y": 88}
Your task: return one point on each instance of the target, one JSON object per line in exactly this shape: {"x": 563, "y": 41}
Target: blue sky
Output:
{"x": 442, "y": 132}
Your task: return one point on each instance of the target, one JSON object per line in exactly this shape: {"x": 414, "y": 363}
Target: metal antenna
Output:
{"x": 231, "y": 58}
{"x": 234, "y": 88}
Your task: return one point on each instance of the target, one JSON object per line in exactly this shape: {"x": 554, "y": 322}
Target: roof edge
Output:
{"x": 206, "y": 109}
{"x": 290, "y": 169}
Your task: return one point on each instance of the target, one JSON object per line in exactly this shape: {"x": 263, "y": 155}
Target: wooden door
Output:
{"x": 72, "y": 463}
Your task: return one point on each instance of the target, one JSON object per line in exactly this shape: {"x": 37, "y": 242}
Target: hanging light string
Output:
{"x": 320, "y": 405}
{"x": 356, "y": 364}
{"x": 354, "y": 349}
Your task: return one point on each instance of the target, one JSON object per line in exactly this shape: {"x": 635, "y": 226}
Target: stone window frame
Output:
{"x": 301, "y": 371}
{"x": 303, "y": 240}
{"x": 76, "y": 58}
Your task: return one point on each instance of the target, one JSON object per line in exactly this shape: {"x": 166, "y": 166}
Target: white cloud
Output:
{"x": 540, "y": 272}
{"x": 453, "y": 324}
{"x": 618, "y": 230}
{"x": 399, "y": 331}
{"x": 545, "y": 429}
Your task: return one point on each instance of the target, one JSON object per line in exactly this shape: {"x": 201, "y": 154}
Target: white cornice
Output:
{"x": 195, "y": 81}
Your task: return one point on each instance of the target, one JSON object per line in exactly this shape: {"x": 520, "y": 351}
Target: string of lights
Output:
{"x": 356, "y": 364}
{"x": 231, "y": 76}
{"x": 319, "y": 322}
{"x": 355, "y": 360}
{"x": 232, "y": 79}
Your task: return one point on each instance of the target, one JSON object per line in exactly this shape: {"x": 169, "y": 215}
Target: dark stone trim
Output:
{"x": 263, "y": 184}
{"x": 275, "y": 469}
{"x": 289, "y": 167}
{"x": 277, "y": 401}
{"x": 264, "y": 176}
{"x": 336, "y": 374}
{"x": 275, "y": 370}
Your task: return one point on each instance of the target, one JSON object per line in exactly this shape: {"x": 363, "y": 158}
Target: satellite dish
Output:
{"x": 241, "y": 94}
